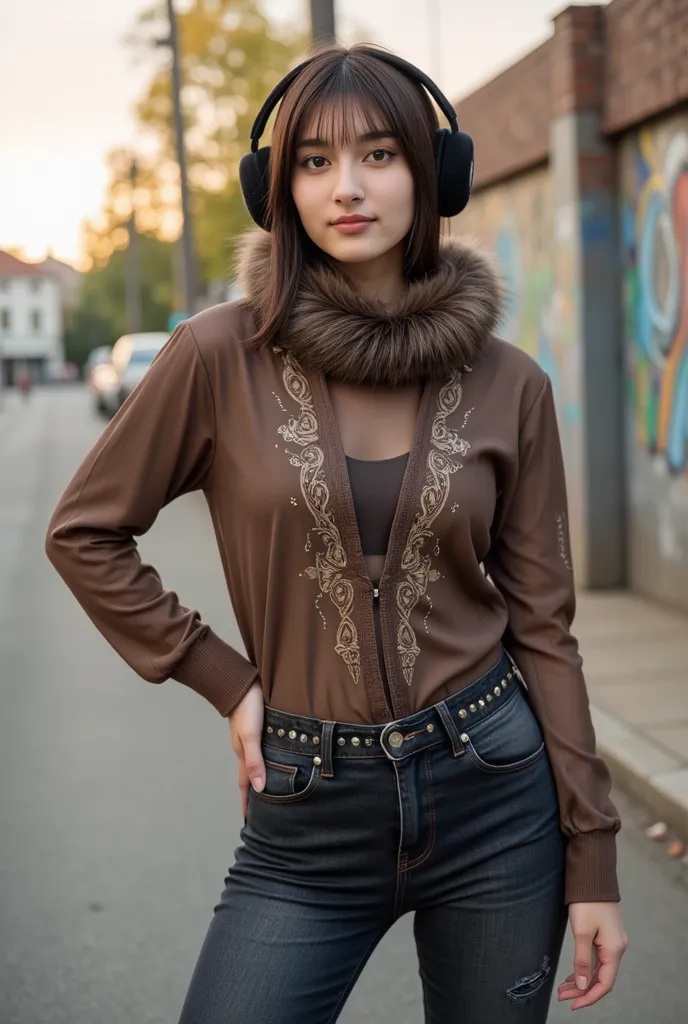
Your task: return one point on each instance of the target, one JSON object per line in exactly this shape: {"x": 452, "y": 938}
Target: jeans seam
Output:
{"x": 506, "y": 769}
{"x": 426, "y": 746}
{"x": 288, "y": 750}
{"x": 402, "y": 866}
{"x": 401, "y": 856}
{"x": 313, "y": 784}
{"x": 433, "y": 824}
{"x": 287, "y": 769}
{"x": 352, "y": 981}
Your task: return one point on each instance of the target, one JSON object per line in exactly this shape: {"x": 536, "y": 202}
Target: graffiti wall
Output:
{"x": 654, "y": 242}
{"x": 518, "y": 222}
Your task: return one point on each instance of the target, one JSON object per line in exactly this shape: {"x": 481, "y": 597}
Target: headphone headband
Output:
{"x": 407, "y": 69}
{"x": 453, "y": 149}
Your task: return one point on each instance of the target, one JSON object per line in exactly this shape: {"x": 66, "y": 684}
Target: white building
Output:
{"x": 68, "y": 278}
{"x": 30, "y": 320}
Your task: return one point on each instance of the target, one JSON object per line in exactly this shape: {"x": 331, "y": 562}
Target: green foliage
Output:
{"x": 232, "y": 56}
{"x": 100, "y": 315}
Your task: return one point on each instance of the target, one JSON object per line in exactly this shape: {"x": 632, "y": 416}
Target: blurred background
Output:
{"x": 122, "y": 129}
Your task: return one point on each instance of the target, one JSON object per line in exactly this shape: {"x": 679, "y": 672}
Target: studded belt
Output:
{"x": 395, "y": 740}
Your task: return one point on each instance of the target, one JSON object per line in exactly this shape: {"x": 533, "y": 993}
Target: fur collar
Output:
{"x": 441, "y": 324}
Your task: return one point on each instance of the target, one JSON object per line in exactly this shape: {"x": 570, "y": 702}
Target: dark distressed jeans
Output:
{"x": 450, "y": 814}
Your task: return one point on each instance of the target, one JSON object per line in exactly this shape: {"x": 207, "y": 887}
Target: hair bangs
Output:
{"x": 347, "y": 100}
{"x": 338, "y": 119}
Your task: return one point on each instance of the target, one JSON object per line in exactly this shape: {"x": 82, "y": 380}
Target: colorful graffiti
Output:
{"x": 537, "y": 316}
{"x": 516, "y": 222}
{"x": 532, "y": 245}
{"x": 655, "y": 251}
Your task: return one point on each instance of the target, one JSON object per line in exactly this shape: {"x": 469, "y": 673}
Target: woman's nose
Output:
{"x": 347, "y": 188}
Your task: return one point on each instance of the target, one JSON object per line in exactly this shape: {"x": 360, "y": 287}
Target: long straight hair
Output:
{"x": 332, "y": 90}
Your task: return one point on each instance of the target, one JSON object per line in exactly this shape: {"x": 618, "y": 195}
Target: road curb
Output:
{"x": 645, "y": 771}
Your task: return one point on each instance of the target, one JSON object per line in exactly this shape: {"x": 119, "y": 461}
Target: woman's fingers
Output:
{"x": 600, "y": 941}
{"x": 602, "y": 981}
{"x": 583, "y": 959}
{"x": 253, "y": 759}
{"x": 246, "y": 728}
{"x": 569, "y": 990}
{"x": 602, "y": 986}
{"x": 243, "y": 784}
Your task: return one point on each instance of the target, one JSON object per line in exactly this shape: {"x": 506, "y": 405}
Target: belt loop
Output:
{"x": 326, "y": 750}
{"x": 515, "y": 668}
{"x": 450, "y": 726}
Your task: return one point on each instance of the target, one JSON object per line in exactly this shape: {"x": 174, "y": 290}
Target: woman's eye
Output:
{"x": 380, "y": 156}
{"x": 309, "y": 162}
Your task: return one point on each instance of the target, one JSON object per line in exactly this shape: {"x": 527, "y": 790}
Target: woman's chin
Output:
{"x": 355, "y": 248}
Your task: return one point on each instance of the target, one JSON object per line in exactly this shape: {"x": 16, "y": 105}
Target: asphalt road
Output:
{"x": 118, "y": 809}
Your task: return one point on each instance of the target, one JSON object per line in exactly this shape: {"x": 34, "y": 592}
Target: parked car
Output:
{"x": 99, "y": 377}
{"x": 132, "y": 354}
{"x": 102, "y": 384}
{"x": 96, "y": 357}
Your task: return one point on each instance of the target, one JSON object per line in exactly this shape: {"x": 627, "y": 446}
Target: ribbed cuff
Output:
{"x": 591, "y": 868}
{"x": 217, "y": 671}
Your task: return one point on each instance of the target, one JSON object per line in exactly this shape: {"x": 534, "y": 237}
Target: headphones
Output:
{"x": 453, "y": 149}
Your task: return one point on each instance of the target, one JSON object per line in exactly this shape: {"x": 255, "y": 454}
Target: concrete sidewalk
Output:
{"x": 635, "y": 656}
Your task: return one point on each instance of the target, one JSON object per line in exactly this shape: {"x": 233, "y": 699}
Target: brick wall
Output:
{"x": 577, "y": 60}
{"x": 509, "y": 118}
{"x": 646, "y": 60}
{"x": 628, "y": 59}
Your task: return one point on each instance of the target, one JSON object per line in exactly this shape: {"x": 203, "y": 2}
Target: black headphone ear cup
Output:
{"x": 454, "y": 157}
{"x": 254, "y": 177}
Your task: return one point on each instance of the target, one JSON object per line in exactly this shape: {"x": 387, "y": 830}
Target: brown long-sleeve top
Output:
{"x": 478, "y": 554}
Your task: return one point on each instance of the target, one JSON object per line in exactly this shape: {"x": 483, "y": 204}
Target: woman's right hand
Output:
{"x": 246, "y": 730}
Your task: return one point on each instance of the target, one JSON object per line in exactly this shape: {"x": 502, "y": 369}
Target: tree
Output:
{"x": 232, "y": 56}
{"x": 99, "y": 317}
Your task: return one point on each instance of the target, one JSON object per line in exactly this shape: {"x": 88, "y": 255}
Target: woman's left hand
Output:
{"x": 599, "y": 935}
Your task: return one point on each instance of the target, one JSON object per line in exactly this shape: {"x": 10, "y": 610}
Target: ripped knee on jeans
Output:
{"x": 525, "y": 988}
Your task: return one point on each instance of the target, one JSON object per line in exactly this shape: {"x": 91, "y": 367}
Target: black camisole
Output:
{"x": 375, "y": 486}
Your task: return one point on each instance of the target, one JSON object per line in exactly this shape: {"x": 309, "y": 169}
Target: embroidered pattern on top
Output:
{"x": 329, "y": 563}
{"x": 562, "y": 540}
{"x": 414, "y": 563}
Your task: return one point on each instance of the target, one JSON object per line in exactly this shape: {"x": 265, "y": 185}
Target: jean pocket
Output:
{"x": 508, "y": 741}
{"x": 289, "y": 778}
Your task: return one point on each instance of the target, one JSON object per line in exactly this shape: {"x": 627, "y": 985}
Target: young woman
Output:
{"x": 386, "y": 485}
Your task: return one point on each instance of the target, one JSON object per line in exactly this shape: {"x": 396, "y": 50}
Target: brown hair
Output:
{"x": 335, "y": 77}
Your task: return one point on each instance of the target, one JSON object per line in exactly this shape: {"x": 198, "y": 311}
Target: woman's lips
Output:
{"x": 352, "y": 227}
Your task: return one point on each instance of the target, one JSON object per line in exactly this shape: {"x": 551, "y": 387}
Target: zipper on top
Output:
{"x": 379, "y": 649}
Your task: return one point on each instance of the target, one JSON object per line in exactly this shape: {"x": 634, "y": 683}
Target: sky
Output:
{"x": 68, "y": 85}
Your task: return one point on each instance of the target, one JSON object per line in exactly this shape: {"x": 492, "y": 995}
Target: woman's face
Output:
{"x": 356, "y": 201}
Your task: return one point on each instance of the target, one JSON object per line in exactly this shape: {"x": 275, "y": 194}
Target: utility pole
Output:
{"x": 322, "y": 22}
{"x": 188, "y": 261}
{"x": 133, "y": 267}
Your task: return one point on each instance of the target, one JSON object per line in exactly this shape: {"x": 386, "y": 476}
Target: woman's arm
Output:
{"x": 159, "y": 446}
{"x": 530, "y": 564}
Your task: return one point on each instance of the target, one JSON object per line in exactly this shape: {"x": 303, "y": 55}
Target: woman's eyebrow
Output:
{"x": 311, "y": 142}
{"x": 386, "y": 133}
{"x": 367, "y": 137}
